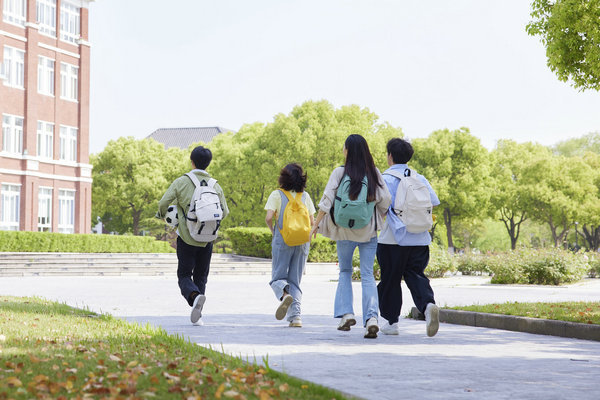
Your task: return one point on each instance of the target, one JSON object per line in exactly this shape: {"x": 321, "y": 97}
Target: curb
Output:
{"x": 517, "y": 324}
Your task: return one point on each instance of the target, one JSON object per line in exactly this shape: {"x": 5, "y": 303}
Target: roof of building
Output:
{"x": 184, "y": 137}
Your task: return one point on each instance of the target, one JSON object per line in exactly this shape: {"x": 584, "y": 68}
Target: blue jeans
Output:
{"x": 286, "y": 271}
{"x": 343, "y": 294}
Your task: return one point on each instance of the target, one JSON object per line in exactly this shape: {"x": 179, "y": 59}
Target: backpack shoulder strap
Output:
{"x": 194, "y": 179}
{"x": 211, "y": 182}
{"x": 395, "y": 174}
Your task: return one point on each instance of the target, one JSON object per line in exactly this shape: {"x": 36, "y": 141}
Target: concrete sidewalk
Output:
{"x": 459, "y": 363}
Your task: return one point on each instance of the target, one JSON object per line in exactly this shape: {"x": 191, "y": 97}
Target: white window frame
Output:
{"x": 66, "y": 211}
{"x": 15, "y": 12}
{"x": 45, "y": 139}
{"x": 13, "y": 67}
{"x": 46, "y": 17}
{"x": 68, "y": 143}
{"x": 69, "y": 81}
{"x": 45, "y": 209}
{"x": 12, "y": 134}
{"x": 70, "y": 22}
{"x": 46, "y": 75}
{"x": 10, "y": 206}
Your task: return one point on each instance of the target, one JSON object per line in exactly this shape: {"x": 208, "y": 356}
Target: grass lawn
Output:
{"x": 53, "y": 351}
{"x": 581, "y": 311}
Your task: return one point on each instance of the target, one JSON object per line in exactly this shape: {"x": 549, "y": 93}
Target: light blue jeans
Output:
{"x": 343, "y": 294}
{"x": 286, "y": 271}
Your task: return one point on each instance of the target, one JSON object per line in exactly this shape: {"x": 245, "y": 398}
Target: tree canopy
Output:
{"x": 570, "y": 30}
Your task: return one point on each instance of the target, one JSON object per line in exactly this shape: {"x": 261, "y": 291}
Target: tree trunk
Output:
{"x": 592, "y": 236}
{"x": 512, "y": 227}
{"x": 448, "y": 222}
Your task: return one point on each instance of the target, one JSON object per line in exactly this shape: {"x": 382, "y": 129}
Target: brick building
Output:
{"x": 45, "y": 174}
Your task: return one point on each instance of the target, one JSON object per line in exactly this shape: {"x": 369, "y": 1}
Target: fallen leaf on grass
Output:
{"x": 13, "y": 381}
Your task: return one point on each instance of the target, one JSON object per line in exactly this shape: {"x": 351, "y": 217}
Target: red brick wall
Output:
{"x": 33, "y": 106}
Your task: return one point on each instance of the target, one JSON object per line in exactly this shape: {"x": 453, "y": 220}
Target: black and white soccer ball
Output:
{"x": 172, "y": 216}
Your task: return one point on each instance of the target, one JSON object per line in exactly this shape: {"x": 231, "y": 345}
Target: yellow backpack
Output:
{"x": 294, "y": 220}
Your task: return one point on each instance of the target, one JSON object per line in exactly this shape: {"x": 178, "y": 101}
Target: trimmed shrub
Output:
{"x": 472, "y": 264}
{"x": 322, "y": 249}
{"x": 45, "y": 242}
{"x": 252, "y": 242}
{"x": 440, "y": 262}
{"x": 256, "y": 242}
{"x": 594, "y": 261}
{"x": 538, "y": 266}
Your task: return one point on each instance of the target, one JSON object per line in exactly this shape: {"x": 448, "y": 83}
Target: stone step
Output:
{"x": 147, "y": 264}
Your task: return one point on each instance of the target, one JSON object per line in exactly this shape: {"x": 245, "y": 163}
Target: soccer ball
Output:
{"x": 172, "y": 216}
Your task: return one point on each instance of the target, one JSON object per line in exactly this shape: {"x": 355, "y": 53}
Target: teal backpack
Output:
{"x": 354, "y": 214}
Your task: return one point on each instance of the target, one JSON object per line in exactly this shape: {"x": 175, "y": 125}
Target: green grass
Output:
{"x": 581, "y": 312}
{"x": 53, "y": 351}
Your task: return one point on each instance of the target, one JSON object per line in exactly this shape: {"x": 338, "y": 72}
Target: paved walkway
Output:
{"x": 459, "y": 363}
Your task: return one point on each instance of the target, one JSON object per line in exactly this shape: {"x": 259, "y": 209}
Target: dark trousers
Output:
{"x": 398, "y": 262}
{"x": 193, "y": 267}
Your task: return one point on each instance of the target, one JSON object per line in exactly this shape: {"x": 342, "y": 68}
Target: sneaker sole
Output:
{"x": 390, "y": 332}
{"x": 283, "y": 307}
{"x": 372, "y": 332}
{"x": 433, "y": 322}
{"x": 197, "y": 310}
{"x": 346, "y": 327}
{"x": 295, "y": 325}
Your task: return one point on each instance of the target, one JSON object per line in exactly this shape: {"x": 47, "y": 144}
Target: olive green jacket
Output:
{"x": 180, "y": 193}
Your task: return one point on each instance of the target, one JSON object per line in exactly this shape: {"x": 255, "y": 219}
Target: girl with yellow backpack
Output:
{"x": 293, "y": 210}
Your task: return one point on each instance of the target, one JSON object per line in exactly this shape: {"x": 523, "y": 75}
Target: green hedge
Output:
{"x": 256, "y": 242}
{"x": 21, "y": 241}
{"x": 529, "y": 266}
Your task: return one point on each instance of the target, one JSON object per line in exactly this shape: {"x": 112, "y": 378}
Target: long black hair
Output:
{"x": 359, "y": 163}
{"x": 292, "y": 177}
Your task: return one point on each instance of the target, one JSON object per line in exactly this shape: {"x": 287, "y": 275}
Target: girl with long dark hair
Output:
{"x": 362, "y": 174}
{"x": 288, "y": 260}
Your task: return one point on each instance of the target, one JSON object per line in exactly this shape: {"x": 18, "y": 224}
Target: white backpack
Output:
{"x": 412, "y": 203}
{"x": 204, "y": 213}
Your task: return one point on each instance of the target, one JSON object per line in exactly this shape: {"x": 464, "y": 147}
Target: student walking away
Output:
{"x": 293, "y": 211}
{"x": 403, "y": 245}
{"x": 350, "y": 212}
{"x": 200, "y": 207}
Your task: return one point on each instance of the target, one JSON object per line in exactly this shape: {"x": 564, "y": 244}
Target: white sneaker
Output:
{"x": 371, "y": 328}
{"x": 432, "y": 319}
{"x": 197, "y": 308}
{"x": 199, "y": 322}
{"x": 346, "y": 322}
{"x": 388, "y": 329}
{"x": 283, "y": 307}
{"x": 296, "y": 322}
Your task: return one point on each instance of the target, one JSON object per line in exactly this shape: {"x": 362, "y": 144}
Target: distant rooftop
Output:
{"x": 184, "y": 137}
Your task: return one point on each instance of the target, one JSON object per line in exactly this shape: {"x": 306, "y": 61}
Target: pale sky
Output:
{"x": 420, "y": 65}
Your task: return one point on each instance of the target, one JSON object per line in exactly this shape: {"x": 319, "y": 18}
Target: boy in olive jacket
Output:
{"x": 193, "y": 257}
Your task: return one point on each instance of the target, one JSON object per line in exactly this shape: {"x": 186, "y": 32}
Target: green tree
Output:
{"x": 457, "y": 166}
{"x": 508, "y": 161}
{"x": 579, "y": 146}
{"x": 555, "y": 188}
{"x": 570, "y": 31}
{"x": 247, "y": 164}
{"x": 589, "y": 212}
{"x": 130, "y": 176}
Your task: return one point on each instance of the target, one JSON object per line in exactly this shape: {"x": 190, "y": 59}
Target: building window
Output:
{"x": 10, "y": 204}
{"x": 15, "y": 12}
{"x": 46, "y": 75}
{"x": 12, "y": 134}
{"x": 45, "y": 210}
{"x": 68, "y": 81}
{"x": 69, "y": 22}
{"x": 13, "y": 67}
{"x": 66, "y": 211}
{"x": 45, "y": 139}
{"x": 46, "y": 16}
{"x": 68, "y": 143}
